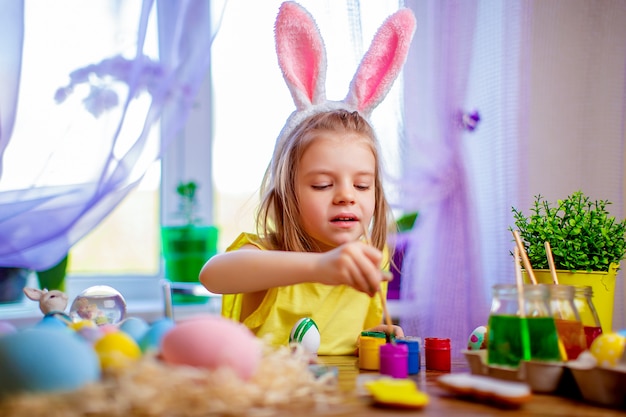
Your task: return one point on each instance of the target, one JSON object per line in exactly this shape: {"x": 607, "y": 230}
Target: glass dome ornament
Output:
{"x": 101, "y": 304}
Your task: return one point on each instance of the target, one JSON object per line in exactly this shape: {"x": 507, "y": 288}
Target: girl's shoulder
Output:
{"x": 246, "y": 239}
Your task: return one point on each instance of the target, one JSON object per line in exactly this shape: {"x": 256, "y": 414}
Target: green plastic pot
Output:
{"x": 185, "y": 251}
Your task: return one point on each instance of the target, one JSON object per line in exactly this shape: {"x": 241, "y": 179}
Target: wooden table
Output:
{"x": 442, "y": 403}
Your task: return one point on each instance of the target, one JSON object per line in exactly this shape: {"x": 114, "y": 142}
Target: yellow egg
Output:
{"x": 77, "y": 325}
{"x": 117, "y": 350}
{"x": 608, "y": 349}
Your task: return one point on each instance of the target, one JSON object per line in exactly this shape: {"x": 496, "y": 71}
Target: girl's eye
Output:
{"x": 320, "y": 187}
{"x": 362, "y": 187}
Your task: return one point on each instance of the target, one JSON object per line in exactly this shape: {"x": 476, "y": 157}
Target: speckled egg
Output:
{"x": 211, "y": 342}
{"x": 477, "y": 339}
{"x": 608, "y": 349}
{"x": 44, "y": 360}
{"x": 306, "y": 333}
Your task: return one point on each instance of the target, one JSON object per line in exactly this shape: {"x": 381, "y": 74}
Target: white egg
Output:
{"x": 306, "y": 333}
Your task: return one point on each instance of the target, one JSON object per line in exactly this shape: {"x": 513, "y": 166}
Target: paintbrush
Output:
{"x": 390, "y": 332}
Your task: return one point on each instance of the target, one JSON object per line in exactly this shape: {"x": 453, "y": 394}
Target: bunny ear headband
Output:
{"x": 302, "y": 59}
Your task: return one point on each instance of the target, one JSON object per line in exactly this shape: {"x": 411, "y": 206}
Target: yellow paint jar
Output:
{"x": 369, "y": 350}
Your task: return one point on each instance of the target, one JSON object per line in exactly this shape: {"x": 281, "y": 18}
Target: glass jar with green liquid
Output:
{"x": 515, "y": 335}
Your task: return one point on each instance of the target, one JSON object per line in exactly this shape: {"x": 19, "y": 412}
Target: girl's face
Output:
{"x": 335, "y": 184}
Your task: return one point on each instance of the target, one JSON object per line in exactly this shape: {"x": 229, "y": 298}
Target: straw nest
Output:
{"x": 153, "y": 388}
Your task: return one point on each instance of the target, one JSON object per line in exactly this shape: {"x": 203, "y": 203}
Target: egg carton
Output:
{"x": 599, "y": 384}
{"x": 574, "y": 379}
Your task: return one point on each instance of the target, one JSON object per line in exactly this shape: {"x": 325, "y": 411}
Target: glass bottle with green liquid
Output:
{"x": 516, "y": 335}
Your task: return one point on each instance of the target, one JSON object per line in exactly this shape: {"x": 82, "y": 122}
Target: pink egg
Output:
{"x": 212, "y": 342}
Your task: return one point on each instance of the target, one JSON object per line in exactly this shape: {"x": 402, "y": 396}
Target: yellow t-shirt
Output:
{"x": 340, "y": 311}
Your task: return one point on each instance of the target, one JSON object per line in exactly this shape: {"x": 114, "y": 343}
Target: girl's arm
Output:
{"x": 250, "y": 269}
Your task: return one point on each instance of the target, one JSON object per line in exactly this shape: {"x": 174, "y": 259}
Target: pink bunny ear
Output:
{"x": 382, "y": 63}
{"x": 301, "y": 54}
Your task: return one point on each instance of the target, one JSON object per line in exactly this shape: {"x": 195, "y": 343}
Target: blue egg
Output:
{"x": 151, "y": 340}
{"x": 43, "y": 359}
{"x": 622, "y": 332}
{"x": 135, "y": 328}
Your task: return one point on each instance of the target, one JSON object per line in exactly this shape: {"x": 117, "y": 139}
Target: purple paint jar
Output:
{"x": 394, "y": 360}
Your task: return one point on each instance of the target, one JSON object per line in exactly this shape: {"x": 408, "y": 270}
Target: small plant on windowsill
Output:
{"x": 582, "y": 234}
{"x": 188, "y": 204}
{"x": 188, "y": 246}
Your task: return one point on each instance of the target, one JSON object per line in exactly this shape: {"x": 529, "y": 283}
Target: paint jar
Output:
{"x": 438, "y": 354}
{"x": 583, "y": 298}
{"x": 369, "y": 350}
{"x": 567, "y": 320}
{"x": 394, "y": 360}
{"x": 413, "y": 343}
{"x": 508, "y": 336}
{"x": 512, "y": 338}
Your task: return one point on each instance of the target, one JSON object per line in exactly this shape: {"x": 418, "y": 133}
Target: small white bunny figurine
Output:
{"x": 50, "y": 302}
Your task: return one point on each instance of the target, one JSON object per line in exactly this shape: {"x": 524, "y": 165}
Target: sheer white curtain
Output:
{"x": 108, "y": 103}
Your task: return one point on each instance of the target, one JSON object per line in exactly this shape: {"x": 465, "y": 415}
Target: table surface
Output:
{"x": 443, "y": 403}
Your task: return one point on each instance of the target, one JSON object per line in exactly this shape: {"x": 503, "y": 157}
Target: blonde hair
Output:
{"x": 278, "y": 220}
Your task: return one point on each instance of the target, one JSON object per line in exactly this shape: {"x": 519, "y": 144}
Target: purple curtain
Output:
{"x": 443, "y": 287}
{"x": 40, "y": 222}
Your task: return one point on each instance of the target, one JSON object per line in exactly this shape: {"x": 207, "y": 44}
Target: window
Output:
{"x": 104, "y": 29}
{"x": 241, "y": 106}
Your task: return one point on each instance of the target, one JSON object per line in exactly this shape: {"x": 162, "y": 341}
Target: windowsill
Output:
{"x": 144, "y": 298}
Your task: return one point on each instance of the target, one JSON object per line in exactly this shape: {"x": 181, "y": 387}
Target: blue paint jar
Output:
{"x": 413, "y": 344}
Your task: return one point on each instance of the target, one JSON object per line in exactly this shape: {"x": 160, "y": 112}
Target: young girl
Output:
{"x": 310, "y": 259}
{"x": 322, "y": 192}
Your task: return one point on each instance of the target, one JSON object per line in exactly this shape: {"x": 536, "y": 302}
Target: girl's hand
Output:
{"x": 397, "y": 330}
{"x": 355, "y": 264}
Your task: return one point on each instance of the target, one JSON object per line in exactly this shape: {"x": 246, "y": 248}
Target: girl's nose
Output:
{"x": 344, "y": 195}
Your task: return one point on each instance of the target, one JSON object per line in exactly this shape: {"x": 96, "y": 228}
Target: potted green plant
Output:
{"x": 186, "y": 247}
{"x": 586, "y": 242}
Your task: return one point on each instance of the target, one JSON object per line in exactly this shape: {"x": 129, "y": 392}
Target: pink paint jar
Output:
{"x": 394, "y": 360}
{"x": 438, "y": 354}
